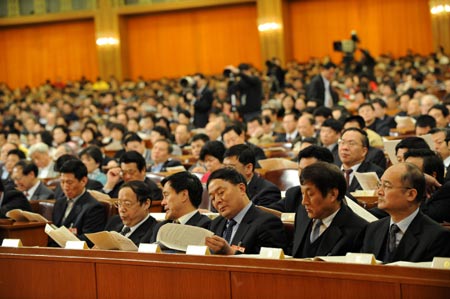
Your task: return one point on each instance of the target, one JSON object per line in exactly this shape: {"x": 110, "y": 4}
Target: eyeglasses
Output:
{"x": 128, "y": 172}
{"x": 385, "y": 186}
{"x": 124, "y": 204}
{"x": 350, "y": 143}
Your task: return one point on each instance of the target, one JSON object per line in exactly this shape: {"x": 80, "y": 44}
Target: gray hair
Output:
{"x": 39, "y": 147}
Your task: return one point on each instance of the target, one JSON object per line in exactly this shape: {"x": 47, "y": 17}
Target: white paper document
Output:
{"x": 179, "y": 237}
{"x": 367, "y": 180}
{"x": 19, "y": 215}
{"x": 60, "y": 235}
{"x": 111, "y": 241}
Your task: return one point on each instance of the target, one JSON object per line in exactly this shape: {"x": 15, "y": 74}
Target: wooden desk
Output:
{"x": 31, "y": 233}
{"x": 61, "y": 273}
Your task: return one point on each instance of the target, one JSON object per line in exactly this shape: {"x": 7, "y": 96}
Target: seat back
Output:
{"x": 283, "y": 178}
{"x": 110, "y": 208}
{"x": 44, "y": 207}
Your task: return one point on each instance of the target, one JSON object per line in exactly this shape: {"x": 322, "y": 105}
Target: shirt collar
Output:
{"x": 133, "y": 228}
{"x": 77, "y": 197}
{"x": 185, "y": 218}
{"x": 404, "y": 224}
{"x": 238, "y": 218}
{"x": 327, "y": 220}
{"x": 33, "y": 189}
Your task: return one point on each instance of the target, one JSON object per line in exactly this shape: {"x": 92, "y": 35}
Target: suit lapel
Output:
{"x": 333, "y": 233}
{"x": 194, "y": 219}
{"x": 379, "y": 236}
{"x": 76, "y": 211}
{"x": 302, "y": 222}
{"x": 243, "y": 226}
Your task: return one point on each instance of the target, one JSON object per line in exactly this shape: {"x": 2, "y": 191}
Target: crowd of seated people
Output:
{"x": 120, "y": 134}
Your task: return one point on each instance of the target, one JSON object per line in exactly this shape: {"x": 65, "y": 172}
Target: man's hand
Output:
{"x": 112, "y": 178}
{"x": 431, "y": 185}
{"x": 219, "y": 245}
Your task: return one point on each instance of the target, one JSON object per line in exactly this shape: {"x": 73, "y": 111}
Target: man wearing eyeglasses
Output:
{"x": 353, "y": 147}
{"x": 132, "y": 168}
{"x": 407, "y": 234}
{"x": 134, "y": 220}
{"x": 77, "y": 210}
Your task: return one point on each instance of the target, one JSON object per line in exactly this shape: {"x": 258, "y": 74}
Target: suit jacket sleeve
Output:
{"x": 13, "y": 200}
{"x": 94, "y": 221}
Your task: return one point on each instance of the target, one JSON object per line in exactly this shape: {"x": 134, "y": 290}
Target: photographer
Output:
{"x": 276, "y": 75}
{"x": 247, "y": 89}
{"x": 200, "y": 97}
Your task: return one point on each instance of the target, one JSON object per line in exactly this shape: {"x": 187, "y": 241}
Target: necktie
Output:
{"x": 125, "y": 230}
{"x": 347, "y": 176}
{"x": 68, "y": 208}
{"x": 229, "y": 230}
{"x": 315, "y": 233}
{"x": 393, "y": 230}
{"x": 26, "y": 194}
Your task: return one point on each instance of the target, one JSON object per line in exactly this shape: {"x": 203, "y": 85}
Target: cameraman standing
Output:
{"x": 248, "y": 90}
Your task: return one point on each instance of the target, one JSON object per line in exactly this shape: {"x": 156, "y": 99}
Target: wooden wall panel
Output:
{"x": 286, "y": 286}
{"x": 46, "y": 279}
{"x": 30, "y": 54}
{"x": 160, "y": 282}
{"x": 383, "y": 26}
{"x": 182, "y": 42}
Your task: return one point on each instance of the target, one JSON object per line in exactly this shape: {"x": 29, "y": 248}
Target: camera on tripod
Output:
{"x": 347, "y": 46}
{"x": 187, "y": 82}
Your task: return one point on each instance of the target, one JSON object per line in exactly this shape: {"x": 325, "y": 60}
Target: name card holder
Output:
{"x": 360, "y": 258}
{"x": 16, "y": 243}
{"x": 271, "y": 253}
{"x": 198, "y": 250}
{"x": 76, "y": 245}
{"x": 149, "y": 248}
{"x": 441, "y": 263}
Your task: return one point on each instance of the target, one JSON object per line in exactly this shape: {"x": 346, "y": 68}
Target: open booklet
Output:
{"x": 367, "y": 180}
{"x": 111, "y": 241}
{"x": 60, "y": 235}
{"x": 179, "y": 237}
{"x": 19, "y": 215}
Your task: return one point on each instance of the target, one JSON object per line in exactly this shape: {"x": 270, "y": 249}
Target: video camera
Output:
{"x": 187, "y": 82}
{"x": 348, "y": 45}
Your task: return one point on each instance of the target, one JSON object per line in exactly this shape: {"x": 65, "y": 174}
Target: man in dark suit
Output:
{"x": 290, "y": 129}
{"x": 437, "y": 206}
{"x": 408, "y": 234}
{"x": 353, "y": 148}
{"x": 134, "y": 220}
{"x": 306, "y": 157}
{"x": 25, "y": 175}
{"x": 260, "y": 191}
{"x": 329, "y": 135}
{"x": 132, "y": 168}
{"x": 324, "y": 225}
{"x": 203, "y": 101}
{"x": 161, "y": 156}
{"x": 320, "y": 90}
{"x": 182, "y": 193}
{"x": 241, "y": 227}
{"x": 12, "y": 199}
{"x": 367, "y": 112}
{"x": 90, "y": 185}
{"x": 78, "y": 210}
{"x": 233, "y": 135}
{"x": 248, "y": 90}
